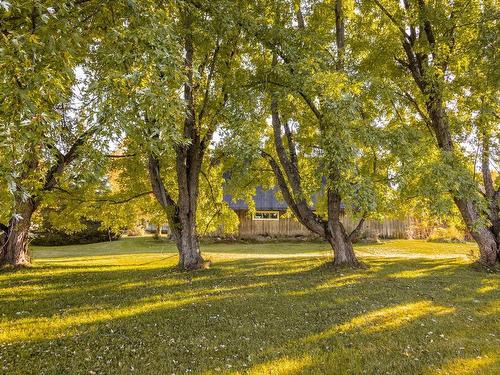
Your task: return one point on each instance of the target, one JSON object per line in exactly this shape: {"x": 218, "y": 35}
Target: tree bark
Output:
{"x": 343, "y": 253}
{"x": 189, "y": 160}
{"x": 158, "y": 231}
{"x": 181, "y": 214}
{"x": 342, "y": 247}
{"x": 188, "y": 245}
{"x": 488, "y": 243}
{"x": 485, "y": 237}
{"x": 491, "y": 194}
{"x": 15, "y": 239}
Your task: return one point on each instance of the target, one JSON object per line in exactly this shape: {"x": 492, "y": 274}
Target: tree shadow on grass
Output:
{"x": 250, "y": 315}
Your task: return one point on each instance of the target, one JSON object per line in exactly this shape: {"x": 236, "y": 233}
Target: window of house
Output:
{"x": 266, "y": 215}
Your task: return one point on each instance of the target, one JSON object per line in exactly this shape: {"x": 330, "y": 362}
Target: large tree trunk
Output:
{"x": 189, "y": 160}
{"x": 332, "y": 229}
{"x": 487, "y": 241}
{"x": 489, "y": 246}
{"x": 343, "y": 253}
{"x": 181, "y": 215}
{"x": 188, "y": 245}
{"x": 486, "y": 238}
{"x": 15, "y": 239}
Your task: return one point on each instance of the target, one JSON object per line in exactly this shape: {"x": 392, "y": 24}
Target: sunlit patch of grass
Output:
{"x": 469, "y": 366}
{"x": 282, "y": 366}
{"x": 394, "y": 316}
{"x": 488, "y": 287}
{"x": 421, "y": 272}
{"x": 388, "y": 318}
{"x": 261, "y": 310}
{"x": 65, "y": 322}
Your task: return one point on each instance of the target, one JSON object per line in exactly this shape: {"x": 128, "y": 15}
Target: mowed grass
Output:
{"x": 271, "y": 308}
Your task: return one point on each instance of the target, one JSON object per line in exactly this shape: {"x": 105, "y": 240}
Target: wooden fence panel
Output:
{"x": 290, "y": 227}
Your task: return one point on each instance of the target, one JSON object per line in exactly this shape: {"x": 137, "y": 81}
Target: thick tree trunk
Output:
{"x": 431, "y": 85}
{"x": 485, "y": 237}
{"x": 489, "y": 247}
{"x": 343, "y": 253}
{"x": 15, "y": 240}
{"x": 188, "y": 171}
{"x": 158, "y": 231}
{"x": 181, "y": 215}
{"x": 188, "y": 246}
{"x": 487, "y": 241}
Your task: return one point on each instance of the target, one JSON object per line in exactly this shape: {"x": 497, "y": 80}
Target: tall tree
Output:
{"x": 441, "y": 54}
{"x": 171, "y": 90}
{"x": 41, "y": 45}
{"x": 319, "y": 115}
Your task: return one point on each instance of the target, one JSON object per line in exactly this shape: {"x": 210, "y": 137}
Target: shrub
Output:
{"x": 448, "y": 234}
{"x": 135, "y": 232}
{"x": 47, "y": 235}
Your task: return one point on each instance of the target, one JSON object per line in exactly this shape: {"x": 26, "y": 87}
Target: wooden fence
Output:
{"x": 290, "y": 227}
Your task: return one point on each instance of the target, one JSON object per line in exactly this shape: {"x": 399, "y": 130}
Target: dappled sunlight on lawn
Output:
{"x": 422, "y": 271}
{"x": 334, "y": 282}
{"x": 248, "y": 313}
{"x": 282, "y": 366}
{"x": 393, "y": 317}
{"x": 384, "y": 319}
{"x": 65, "y": 323}
{"x": 468, "y": 366}
{"x": 492, "y": 308}
{"x": 489, "y": 286}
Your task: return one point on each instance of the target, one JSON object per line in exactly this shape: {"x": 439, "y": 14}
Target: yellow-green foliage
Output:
{"x": 448, "y": 234}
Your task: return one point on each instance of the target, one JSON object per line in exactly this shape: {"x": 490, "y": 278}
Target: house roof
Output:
{"x": 264, "y": 200}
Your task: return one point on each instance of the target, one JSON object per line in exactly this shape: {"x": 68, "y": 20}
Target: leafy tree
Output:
{"x": 168, "y": 77}
{"x": 440, "y": 60}
{"x": 324, "y": 140}
{"x": 42, "y": 43}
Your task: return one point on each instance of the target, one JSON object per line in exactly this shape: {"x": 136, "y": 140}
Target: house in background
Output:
{"x": 269, "y": 217}
{"x": 152, "y": 228}
{"x": 269, "y": 220}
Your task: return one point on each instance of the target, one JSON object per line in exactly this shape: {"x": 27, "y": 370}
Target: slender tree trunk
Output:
{"x": 15, "y": 240}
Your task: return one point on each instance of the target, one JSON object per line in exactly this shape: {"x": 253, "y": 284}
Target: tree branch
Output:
{"x": 157, "y": 185}
{"x": 392, "y": 18}
{"x": 209, "y": 80}
{"x": 4, "y": 228}
{"x": 355, "y": 232}
{"x": 64, "y": 159}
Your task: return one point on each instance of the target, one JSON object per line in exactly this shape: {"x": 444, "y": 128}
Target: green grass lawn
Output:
{"x": 122, "y": 308}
